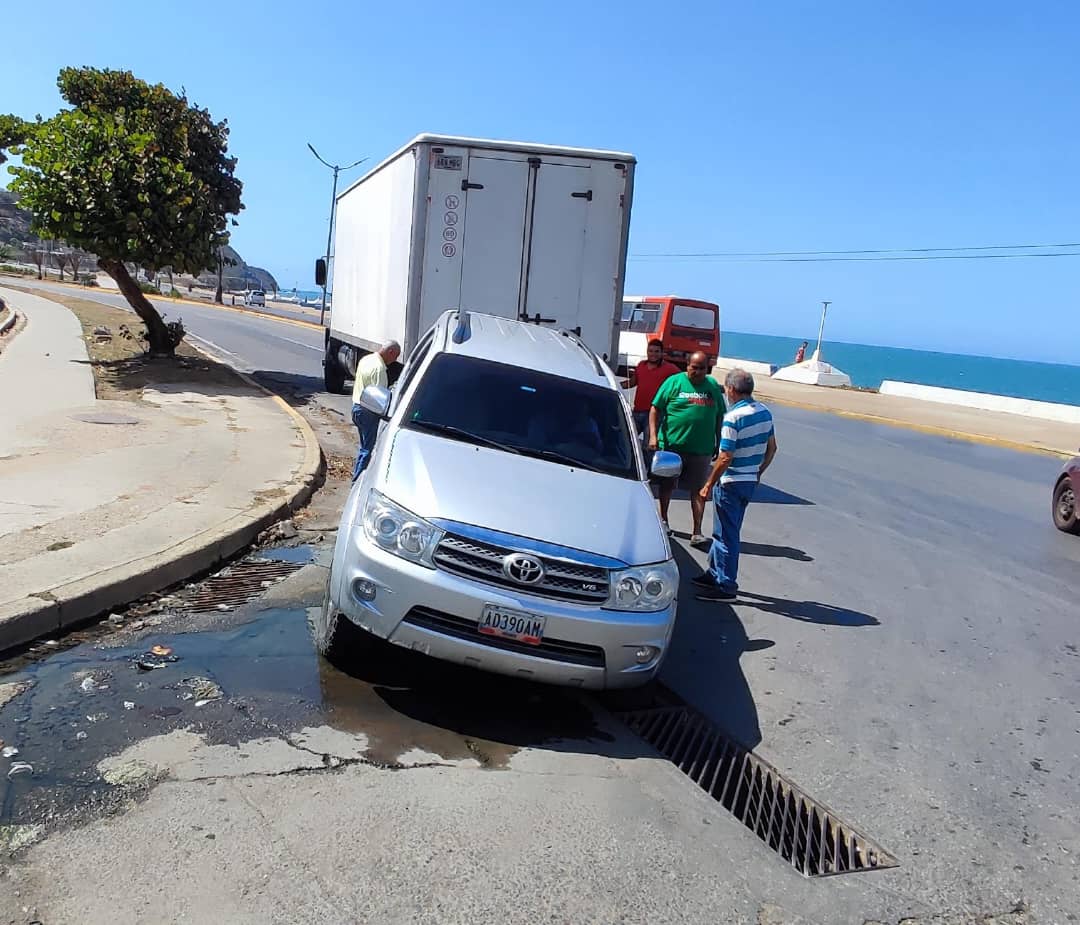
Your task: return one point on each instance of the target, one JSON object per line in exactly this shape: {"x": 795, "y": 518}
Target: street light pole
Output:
{"x": 333, "y": 208}
{"x": 821, "y": 329}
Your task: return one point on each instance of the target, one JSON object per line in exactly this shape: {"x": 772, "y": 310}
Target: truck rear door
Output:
{"x": 574, "y": 248}
{"x": 495, "y": 205}
{"x": 518, "y": 235}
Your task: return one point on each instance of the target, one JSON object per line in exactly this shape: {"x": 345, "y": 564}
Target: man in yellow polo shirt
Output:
{"x": 371, "y": 370}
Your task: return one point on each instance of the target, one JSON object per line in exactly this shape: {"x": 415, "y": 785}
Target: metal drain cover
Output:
{"x": 798, "y": 828}
{"x": 237, "y": 584}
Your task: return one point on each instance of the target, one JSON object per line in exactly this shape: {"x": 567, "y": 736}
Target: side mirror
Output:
{"x": 320, "y": 272}
{"x": 665, "y": 465}
{"x": 376, "y": 399}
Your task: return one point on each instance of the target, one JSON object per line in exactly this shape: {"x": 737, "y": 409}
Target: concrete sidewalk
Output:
{"x": 997, "y": 428}
{"x": 102, "y": 502}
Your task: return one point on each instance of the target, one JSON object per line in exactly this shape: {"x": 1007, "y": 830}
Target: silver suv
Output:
{"x": 505, "y": 521}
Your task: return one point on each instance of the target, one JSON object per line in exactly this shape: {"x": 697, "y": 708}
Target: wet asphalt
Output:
{"x": 241, "y": 675}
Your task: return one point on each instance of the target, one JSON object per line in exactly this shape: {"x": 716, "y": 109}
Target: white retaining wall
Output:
{"x": 1049, "y": 411}
{"x": 751, "y": 366}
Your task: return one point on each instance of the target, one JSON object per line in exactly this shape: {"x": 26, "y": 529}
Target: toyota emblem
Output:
{"x": 525, "y": 570}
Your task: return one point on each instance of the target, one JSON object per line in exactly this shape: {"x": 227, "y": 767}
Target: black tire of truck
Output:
{"x": 333, "y": 373}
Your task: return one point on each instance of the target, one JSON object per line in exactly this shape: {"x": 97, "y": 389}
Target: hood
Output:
{"x": 448, "y": 480}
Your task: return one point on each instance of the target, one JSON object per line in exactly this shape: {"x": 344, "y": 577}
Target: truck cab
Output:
{"x": 684, "y": 325}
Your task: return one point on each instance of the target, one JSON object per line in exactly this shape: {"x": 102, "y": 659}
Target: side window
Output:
{"x": 414, "y": 363}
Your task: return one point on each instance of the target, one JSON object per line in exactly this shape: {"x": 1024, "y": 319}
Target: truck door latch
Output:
{"x": 536, "y": 319}
{"x": 587, "y": 195}
{"x": 465, "y": 184}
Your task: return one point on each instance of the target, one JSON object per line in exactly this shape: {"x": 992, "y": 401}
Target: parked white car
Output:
{"x": 505, "y": 520}
{"x": 256, "y": 297}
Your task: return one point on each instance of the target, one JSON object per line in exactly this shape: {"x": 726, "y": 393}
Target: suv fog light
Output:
{"x": 646, "y": 654}
{"x": 363, "y": 590}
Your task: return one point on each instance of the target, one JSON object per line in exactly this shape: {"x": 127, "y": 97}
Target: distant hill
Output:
{"x": 240, "y": 275}
{"x": 15, "y": 229}
{"x": 14, "y": 222}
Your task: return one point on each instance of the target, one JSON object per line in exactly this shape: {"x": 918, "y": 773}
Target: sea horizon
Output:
{"x": 870, "y": 364}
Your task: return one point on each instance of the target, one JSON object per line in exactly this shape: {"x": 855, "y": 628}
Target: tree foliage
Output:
{"x": 134, "y": 173}
{"x": 12, "y": 133}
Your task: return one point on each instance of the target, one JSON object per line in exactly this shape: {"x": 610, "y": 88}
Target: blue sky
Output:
{"x": 781, "y": 127}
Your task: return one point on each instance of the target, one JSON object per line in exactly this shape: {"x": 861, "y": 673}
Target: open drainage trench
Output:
{"x": 237, "y": 677}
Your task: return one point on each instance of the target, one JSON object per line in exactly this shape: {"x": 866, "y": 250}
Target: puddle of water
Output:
{"x": 274, "y": 684}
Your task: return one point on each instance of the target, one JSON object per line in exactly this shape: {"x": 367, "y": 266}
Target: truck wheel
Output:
{"x": 333, "y": 374}
{"x": 1066, "y": 516}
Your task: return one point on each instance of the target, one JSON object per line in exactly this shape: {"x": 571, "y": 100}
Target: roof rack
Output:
{"x": 463, "y": 331}
{"x": 575, "y": 336}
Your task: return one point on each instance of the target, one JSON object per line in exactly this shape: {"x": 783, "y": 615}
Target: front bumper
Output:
{"x": 435, "y": 612}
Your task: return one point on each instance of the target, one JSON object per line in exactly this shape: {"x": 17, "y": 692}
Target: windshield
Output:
{"x": 524, "y": 411}
{"x": 640, "y": 317}
{"x": 693, "y": 316}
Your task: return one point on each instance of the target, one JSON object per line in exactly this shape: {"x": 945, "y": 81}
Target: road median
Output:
{"x": 123, "y": 475}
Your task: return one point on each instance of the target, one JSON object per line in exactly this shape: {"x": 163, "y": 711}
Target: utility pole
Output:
{"x": 821, "y": 329}
{"x": 330, "y": 231}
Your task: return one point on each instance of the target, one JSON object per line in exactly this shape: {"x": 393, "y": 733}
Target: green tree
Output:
{"x": 134, "y": 173}
{"x": 12, "y": 133}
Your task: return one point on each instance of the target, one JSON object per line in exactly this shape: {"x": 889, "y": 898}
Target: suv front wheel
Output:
{"x": 337, "y": 638}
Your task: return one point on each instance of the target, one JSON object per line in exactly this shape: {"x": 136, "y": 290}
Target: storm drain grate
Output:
{"x": 238, "y": 584}
{"x": 798, "y": 828}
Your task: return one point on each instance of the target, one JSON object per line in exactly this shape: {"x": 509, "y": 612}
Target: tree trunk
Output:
{"x": 220, "y": 273}
{"x": 158, "y": 333}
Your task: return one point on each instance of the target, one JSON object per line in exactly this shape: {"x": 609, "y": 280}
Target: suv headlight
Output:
{"x": 644, "y": 588}
{"x": 391, "y": 527}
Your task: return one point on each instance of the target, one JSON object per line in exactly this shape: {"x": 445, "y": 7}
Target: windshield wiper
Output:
{"x": 460, "y": 434}
{"x": 563, "y": 458}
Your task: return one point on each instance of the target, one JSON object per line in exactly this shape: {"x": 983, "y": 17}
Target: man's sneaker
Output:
{"x": 704, "y": 580}
{"x": 717, "y": 595}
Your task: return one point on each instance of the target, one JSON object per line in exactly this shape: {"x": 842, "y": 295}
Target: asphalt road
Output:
{"x": 907, "y": 648}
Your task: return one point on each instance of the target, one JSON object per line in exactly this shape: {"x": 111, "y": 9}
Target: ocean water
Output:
{"x": 868, "y": 366}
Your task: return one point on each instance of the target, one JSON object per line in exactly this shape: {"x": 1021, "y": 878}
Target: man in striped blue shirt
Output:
{"x": 747, "y": 447}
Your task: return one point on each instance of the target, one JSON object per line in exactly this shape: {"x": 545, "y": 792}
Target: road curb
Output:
{"x": 984, "y": 439}
{"x": 12, "y": 317}
{"x": 62, "y": 607}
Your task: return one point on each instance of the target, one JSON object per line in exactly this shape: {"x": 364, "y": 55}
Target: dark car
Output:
{"x": 1066, "y": 492}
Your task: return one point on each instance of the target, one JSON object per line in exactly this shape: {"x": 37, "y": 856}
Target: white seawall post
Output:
{"x": 751, "y": 366}
{"x": 1048, "y": 411}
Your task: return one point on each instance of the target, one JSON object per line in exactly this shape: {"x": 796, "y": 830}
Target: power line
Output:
{"x": 886, "y": 250}
{"x": 663, "y": 258}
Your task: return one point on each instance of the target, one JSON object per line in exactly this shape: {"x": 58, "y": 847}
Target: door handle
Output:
{"x": 587, "y": 195}
{"x": 536, "y": 319}
{"x": 466, "y": 185}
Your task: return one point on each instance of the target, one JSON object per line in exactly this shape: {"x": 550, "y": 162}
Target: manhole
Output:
{"x": 238, "y": 584}
{"x": 798, "y": 828}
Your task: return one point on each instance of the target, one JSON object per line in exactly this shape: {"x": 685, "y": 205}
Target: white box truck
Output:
{"x": 527, "y": 231}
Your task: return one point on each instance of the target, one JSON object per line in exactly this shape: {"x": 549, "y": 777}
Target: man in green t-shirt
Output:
{"x": 685, "y": 418}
